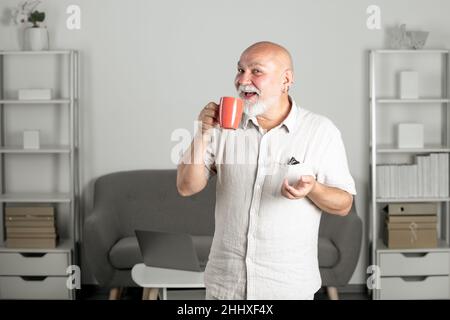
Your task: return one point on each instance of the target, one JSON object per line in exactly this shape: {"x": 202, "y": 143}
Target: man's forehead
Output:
{"x": 256, "y": 59}
{"x": 266, "y": 54}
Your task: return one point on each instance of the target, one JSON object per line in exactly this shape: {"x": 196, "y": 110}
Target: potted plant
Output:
{"x": 36, "y": 35}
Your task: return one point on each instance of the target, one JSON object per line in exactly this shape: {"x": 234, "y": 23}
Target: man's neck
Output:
{"x": 275, "y": 115}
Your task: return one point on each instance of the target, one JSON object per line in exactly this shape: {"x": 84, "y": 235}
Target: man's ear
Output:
{"x": 288, "y": 79}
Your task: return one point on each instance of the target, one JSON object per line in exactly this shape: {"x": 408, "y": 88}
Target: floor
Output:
{"x": 95, "y": 293}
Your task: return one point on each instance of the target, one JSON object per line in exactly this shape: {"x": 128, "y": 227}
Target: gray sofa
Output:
{"x": 148, "y": 199}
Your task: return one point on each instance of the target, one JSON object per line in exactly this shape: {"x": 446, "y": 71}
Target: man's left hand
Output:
{"x": 300, "y": 189}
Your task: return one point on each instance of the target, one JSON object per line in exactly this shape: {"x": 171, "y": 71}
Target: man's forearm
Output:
{"x": 191, "y": 174}
{"x": 330, "y": 199}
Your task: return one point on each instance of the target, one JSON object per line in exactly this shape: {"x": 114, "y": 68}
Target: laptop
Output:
{"x": 168, "y": 250}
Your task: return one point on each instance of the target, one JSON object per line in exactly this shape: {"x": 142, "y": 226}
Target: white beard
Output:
{"x": 256, "y": 109}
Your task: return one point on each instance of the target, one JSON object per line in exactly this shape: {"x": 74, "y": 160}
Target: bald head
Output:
{"x": 277, "y": 52}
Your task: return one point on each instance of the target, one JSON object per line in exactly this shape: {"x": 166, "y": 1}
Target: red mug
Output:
{"x": 230, "y": 112}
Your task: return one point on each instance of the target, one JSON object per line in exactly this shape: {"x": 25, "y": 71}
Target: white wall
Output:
{"x": 148, "y": 67}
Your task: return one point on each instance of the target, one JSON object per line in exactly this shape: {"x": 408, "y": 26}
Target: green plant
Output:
{"x": 36, "y": 17}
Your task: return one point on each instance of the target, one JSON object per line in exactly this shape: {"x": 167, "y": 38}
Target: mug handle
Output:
{"x": 220, "y": 111}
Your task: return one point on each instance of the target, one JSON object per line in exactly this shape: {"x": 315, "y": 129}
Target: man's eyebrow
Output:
{"x": 256, "y": 64}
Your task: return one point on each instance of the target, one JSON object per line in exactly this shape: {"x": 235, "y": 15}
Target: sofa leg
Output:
{"x": 115, "y": 293}
{"x": 332, "y": 293}
{"x": 145, "y": 293}
{"x": 150, "y": 294}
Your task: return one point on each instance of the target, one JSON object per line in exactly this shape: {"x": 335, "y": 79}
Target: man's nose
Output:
{"x": 244, "y": 79}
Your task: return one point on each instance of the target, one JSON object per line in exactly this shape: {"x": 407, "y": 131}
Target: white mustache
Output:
{"x": 248, "y": 88}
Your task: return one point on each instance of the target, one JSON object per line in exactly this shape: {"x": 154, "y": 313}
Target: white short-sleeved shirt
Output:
{"x": 265, "y": 245}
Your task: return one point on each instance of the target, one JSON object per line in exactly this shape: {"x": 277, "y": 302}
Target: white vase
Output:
{"x": 36, "y": 39}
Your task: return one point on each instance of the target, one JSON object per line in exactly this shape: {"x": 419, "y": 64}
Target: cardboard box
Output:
{"x": 412, "y": 208}
{"x": 30, "y": 230}
{"x": 32, "y": 223}
{"x": 410, "y": 235}
{"x": 29, "y": 212}
{"x": 393, "y": 219}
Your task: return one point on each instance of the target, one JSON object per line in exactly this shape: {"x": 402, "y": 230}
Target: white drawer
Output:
{"x": 34, "y": 288}
{"x": 398, "y": 288}
{"x": 414, "y": 264}
{"x": 34, "y": 264}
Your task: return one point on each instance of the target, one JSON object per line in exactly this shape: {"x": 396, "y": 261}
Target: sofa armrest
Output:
{"x": 100, "y": 234}
{"x": 346, "y": 234}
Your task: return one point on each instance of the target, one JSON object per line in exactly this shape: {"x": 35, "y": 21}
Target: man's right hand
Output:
{"x": 209, "y": 117}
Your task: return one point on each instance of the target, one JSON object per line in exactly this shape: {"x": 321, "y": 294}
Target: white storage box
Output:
{"x": 410, "y": 135}
{"x": 409, "y": 85}
{"x": 31, "y": 139}
{"x": 35, "y": 94}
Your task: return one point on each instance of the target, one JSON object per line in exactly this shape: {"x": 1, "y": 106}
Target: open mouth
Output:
{"x": 248, "y": 95}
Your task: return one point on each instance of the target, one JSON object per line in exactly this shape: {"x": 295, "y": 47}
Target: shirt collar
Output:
{"x": 288, "y": 122}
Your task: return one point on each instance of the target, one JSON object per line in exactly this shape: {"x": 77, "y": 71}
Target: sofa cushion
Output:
{"x": 125, "y": 253}
{"x": 328, "y": 253}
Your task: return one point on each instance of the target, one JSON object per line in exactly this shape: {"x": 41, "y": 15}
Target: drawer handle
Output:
{"x": 414, "y": 278}
{"x": 34, "y": 278}
{"x": 33, "y": 254}
{"x": 415, "y": 254}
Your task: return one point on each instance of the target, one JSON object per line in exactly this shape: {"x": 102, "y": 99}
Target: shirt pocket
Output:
{"x": 292, "y": 173}
{"x": 296, "y": 171}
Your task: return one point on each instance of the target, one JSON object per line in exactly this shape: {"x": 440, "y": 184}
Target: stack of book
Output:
{"x": 30, "y": 227}
{"x": 411, "y": 225}
{"x": 427, "y": 178}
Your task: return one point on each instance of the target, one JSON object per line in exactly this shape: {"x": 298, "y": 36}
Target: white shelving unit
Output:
{"x": 408, "y": 273}
{"x": 41, "y": 273}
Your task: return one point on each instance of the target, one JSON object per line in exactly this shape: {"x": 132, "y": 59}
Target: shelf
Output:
{"x": 43, "y": 149}
{"x": 412, "y": 101}
{"x": 43, "y": 52}
{"x": 427, "y": 148}
{"x": 64, "y": 245}
{"x": 53, "y": 101}
{"x": 387, "y": 51}
{"x": 35, "y": 197}
{"x": 442, "y": 246}
{"x": 394, "y": 200}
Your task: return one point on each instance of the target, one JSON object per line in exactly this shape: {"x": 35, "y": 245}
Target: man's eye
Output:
{"x": 240, "y": 70}
{"x": 256, "y": 71}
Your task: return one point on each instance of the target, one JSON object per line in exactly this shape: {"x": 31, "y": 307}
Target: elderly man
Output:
{"x": 267, "y": 209}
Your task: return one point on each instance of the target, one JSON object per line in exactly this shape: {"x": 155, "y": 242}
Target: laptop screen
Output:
{"x": 168, "y": 250}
